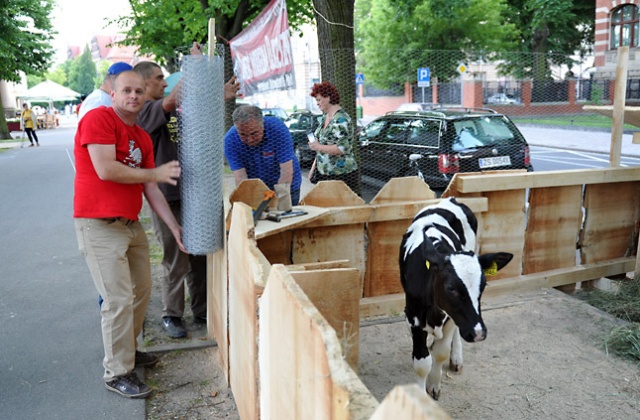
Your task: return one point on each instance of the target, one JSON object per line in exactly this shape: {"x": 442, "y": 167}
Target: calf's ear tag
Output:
{"x": 428, "y": 264}
{"x": 491, "y": 271}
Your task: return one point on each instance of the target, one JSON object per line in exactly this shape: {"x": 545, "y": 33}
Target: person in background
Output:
{"x": 159, "y": 118}
{"x": 29, "y": 124}
{"x": 114, "y": 168}
{"x": 102, "y": 95}
{"x": 261, "y": 147}
{"x": 335, "y": 156}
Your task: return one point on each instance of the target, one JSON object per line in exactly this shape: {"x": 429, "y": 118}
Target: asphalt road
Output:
{"x": 50, "y": 342}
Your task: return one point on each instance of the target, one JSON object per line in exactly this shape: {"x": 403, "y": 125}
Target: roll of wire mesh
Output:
{"x": 201, "y": 122}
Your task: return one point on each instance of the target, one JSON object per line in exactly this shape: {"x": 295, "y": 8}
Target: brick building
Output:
{"x": 617, "y": 24}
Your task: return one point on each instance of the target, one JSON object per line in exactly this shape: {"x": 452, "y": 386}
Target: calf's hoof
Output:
{"x": 433, "y": 393}
{"x": 455, "y": 367}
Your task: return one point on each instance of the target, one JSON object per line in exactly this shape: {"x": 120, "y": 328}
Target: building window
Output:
{"x": 625, "y": 28}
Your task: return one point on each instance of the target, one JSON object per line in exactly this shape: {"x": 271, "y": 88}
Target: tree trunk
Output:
{"x": 4, "y": 130}
{"x": 336, "y": 49}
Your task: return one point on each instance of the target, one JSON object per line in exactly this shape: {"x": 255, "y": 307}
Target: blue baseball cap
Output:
{"x": 117, "y": 68}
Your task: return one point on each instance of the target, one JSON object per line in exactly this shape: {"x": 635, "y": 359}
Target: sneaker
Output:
{"x": 145, "y": 359}
{"x": 31, "y": 145}
{"x": 128, "y": 386}
{"x": 200, "y": 319}
{"x": 38, "y": 144}
{"x": 174, "y": 327}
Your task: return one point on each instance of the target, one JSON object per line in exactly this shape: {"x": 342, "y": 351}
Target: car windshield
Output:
{"x": 482, "y": 132}
{"x": 299, "y": 122}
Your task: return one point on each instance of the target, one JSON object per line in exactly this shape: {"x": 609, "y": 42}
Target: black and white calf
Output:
{"x": 443, "y": 280}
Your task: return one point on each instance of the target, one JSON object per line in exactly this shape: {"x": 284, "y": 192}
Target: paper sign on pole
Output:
{"x": 261, "y": 53}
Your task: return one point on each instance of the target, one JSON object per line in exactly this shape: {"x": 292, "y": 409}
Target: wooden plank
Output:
{"x": 409, "y": 188}
{"x": 383, "y": 212}
{"x": 250, "y": 191}
{"x": 247, "y": 270}
{"x": 330, "y": 243}
{"x": 336, "y": 294}
{"x": 631, "y": 113}
{"x": 409, "y": 402}
{"x": 504, "y": 181}
{"x": 388, "y": 305}
{"x": 322, "y": 265}
{"x": 501, "y": 228}
{"x": 218, "y": 305}
{"x": 559, "y": 277}
{"x": 555, "y": 216}
{"x": 383, "y": 272}
{"x": 277, "y": 248}
{"x": 611, "y": 221}
{"x": 266, "y": 228}
{"x": 331, "y": 194}
{"x": 304, "y": 374}
{"x": 393, "y": 305}
{"x": 619, "y": 97}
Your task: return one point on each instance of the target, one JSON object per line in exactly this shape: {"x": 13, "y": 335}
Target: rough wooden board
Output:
{"x": 611, "y": 224}
{"x": 502, "y": 228}
{"x": 250, "y": 192}
{"x": 631, "y": 113}
{"x": 555, "y": 217}
{"x": 322, "y": 265}
{"x": 388, "y": 305}
{"x": 331, "y": 243}
{"x": 336, "y": 294}
{"x": 383, "y": 272}
{"x": 245, "y": 270}
{"x": 559, "y": 277}
{"x": 331, "y": 194}
{"x": 218, "y": 305}
{"x": 277, "y": 248}
{"x": 266, "y": 228}
{"x": 409, "y": 402}
{"x": 304, "y": 373}
{"x": 508, "y": 181}
{"x": 409, "y": 188}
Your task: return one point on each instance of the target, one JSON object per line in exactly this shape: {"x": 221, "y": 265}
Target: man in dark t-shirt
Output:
{"x": 159, "y": 118}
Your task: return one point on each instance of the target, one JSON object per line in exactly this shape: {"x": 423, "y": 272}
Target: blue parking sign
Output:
{"x": 424, "y": 76}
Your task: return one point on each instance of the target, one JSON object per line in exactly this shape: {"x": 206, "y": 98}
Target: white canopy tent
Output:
{"x": 49, "y": 91}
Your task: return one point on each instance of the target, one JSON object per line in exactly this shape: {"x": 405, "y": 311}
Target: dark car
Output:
{"x": 443, "y": 142}
{"x": 302, "y": 123}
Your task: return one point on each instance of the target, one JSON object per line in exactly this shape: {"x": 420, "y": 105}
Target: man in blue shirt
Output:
{"x": 261, "y": 147}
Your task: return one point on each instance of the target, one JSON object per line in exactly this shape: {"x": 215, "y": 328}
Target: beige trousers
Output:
{"x": 117, "y": 253}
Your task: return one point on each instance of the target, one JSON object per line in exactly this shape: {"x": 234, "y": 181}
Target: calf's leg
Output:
{"x": 440, "y": 352}
{"x": 455, "y": 362}
{"x": 421, "y": 356}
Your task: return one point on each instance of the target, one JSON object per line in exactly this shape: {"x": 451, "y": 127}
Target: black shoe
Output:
{"x": 128, "y": 386}
{"x": 200, "y": 319}
{"x": 145, "y": 359}
{"x": 174, "y": 327}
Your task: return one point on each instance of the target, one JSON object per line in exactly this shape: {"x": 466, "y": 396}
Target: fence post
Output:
{"x": 619, "y": 98}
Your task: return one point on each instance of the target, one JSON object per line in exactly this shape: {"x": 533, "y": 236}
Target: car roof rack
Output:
{"x": 467, "y": 110}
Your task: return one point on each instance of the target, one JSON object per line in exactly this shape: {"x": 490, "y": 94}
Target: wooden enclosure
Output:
{"x": 287, "y": 314}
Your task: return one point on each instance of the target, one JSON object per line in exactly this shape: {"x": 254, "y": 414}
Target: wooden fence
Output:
{"x": 286, "y": 316}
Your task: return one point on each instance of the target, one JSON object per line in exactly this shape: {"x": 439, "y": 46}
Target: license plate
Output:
{"x": 494, "y": 161}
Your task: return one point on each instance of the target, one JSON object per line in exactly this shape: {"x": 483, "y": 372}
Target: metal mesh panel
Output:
{"x": 201, "y": 153}
{"x": 518, "y": 93}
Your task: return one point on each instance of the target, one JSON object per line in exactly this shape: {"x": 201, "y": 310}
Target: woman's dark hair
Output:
{"x": 326, "y": 89}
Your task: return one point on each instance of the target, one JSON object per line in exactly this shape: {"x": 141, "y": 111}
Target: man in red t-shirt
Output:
{"x": 114, "y": 168}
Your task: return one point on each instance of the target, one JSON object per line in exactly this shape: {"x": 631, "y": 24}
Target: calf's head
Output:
{"x": 458, "y": 283}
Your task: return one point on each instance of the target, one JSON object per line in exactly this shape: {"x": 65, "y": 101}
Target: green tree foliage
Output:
{"x": 57, "y": 75}
{"x": 395, "y": 38}
{"x": 550, "y": 31}
{"x": 25, "y": 43}
{"x": 81, "y": 73}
